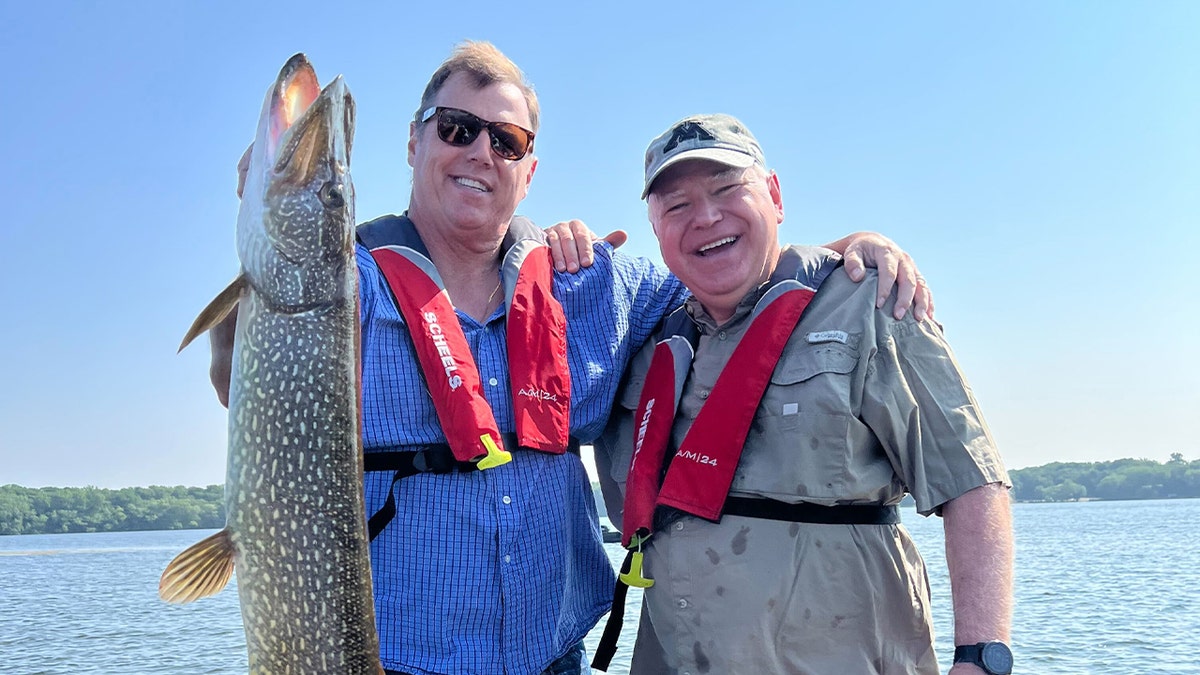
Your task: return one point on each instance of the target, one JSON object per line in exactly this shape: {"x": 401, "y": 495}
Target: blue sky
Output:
{"x": 1040, "y": 160}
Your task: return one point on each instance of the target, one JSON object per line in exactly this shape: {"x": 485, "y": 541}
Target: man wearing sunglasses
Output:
{"x": 485, "y": 552}
{"x": 764, "y": 439}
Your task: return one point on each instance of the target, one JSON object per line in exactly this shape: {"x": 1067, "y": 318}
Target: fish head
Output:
{"x": 296, "y": 224}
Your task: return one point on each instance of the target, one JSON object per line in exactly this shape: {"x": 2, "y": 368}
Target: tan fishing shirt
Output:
{"x": 861, "y": 409}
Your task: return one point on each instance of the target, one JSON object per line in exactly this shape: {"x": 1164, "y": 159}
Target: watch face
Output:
{"x": 997, "y": 658}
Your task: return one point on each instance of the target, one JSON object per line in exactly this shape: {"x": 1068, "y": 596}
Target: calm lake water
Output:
{"x": 1105, "y": 588}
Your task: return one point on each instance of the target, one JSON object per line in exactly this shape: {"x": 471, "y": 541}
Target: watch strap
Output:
{"x": 969, "y": 654}
{"x": 975, "y": 654}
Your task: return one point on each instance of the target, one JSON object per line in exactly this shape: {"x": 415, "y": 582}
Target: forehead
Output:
{"x": 694, "y": 172}
{"x": 496, "y": 102}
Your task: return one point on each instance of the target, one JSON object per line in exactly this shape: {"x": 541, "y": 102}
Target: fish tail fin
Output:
{"x": 200, "y": 571}
{"x": 225, "y": 302}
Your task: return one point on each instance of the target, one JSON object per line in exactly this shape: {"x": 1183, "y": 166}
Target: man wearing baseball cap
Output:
{"x": 765, "y": 436}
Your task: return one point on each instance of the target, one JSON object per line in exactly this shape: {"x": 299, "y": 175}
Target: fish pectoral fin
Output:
{"x": 200, "y": 571}
{"x": 225, "y": 302}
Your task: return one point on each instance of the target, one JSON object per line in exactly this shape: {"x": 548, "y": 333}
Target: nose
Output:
{"x": 480, "y": 149}
{"x": 708, "y": 213}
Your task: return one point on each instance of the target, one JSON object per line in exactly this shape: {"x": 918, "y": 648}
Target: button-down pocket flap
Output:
{"x": 803, "y": 362}
{"x": 631, "y": 393}
{"x": 635, "y": 378}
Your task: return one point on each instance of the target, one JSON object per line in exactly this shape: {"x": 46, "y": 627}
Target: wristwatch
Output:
{"x": 994, "y": 657}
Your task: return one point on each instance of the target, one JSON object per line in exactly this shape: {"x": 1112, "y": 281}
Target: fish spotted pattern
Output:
{"x": 296, "y": 528}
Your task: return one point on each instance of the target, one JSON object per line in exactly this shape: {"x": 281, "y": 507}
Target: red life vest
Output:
{"x": 536, "y": 333}
{"x": 701, "y": 471}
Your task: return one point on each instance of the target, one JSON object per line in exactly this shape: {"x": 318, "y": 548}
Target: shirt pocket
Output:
{"x": 631, "y": 394}
{"x": 811, "y": 379}
{"x": 799, "y": 445}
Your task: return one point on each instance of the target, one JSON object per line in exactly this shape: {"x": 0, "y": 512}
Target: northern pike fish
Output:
{"x": 295, "y": 523}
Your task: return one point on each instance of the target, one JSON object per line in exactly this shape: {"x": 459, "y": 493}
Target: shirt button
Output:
{"x": 493, "y": 381}
{"x": 721, "y": 335}
{"x": 682, "y": 603}
{"x": 704, "y": 393}
{"x": 679, "y": 527}
{"x": 508, "y": 558}
{"x": 507, "y": 499}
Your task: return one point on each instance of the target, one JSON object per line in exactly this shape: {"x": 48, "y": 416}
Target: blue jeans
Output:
{"x": 574, "y": 662}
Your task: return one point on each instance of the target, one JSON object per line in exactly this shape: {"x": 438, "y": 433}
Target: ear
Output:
{"x": 529, "y": 176}
{"x": 650, "y": 217}
{"x": 412, "y": 142}
{"x": 658, "y": 238}
{"x": 650, "y": 214}
{"x": 776, "y": 195}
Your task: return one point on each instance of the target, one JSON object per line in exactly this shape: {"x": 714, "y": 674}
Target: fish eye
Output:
{"x": 331, "y": 196}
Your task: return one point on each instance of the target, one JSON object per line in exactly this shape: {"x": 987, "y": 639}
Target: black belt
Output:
{"x": 805, "y": 512}
{"x": 415, "y": 459}
{"x": 750, "y": 507}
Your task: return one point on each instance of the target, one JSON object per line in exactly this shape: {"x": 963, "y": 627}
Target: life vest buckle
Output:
{"x": 634, "y": 577}
{"x": 495, "y": 456}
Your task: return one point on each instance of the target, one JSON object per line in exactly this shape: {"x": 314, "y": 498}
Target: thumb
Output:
{"x": 617, "y": 238}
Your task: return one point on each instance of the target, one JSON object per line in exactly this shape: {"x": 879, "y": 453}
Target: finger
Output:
{"x": 887, "y": 279}
{"x": 617, "y": 238}
{"x": 583, "y": 238}
{"x": 219, "y": 376}
{"x": 906, "y": 290}
{"x": 854, "y": 264}
{"x": 570, "y": 251}
{"x": 556, "y": 249}
{"x": 243, "y": 168}
{"x": 925, "y": 303}
{"x": 220, "y": 339}
{"x": 909, "y": 279}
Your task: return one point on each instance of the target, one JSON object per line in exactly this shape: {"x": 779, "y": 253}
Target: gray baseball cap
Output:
{"x": 718, "y": 138}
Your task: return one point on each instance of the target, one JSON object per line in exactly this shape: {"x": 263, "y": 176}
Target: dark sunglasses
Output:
{"x": 459, "y": 127}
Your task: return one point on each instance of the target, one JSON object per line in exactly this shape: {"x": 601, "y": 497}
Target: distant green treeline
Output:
{"x": 89, "y": 509}
{"x": 50, "y": 510}
{"x": 1119, "y": 479}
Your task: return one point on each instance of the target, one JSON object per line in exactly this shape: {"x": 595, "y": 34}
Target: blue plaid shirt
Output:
{"x": 497, "y": 571}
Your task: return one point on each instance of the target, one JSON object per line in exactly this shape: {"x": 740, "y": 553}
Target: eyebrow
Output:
{"x": 729, "y": 173}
